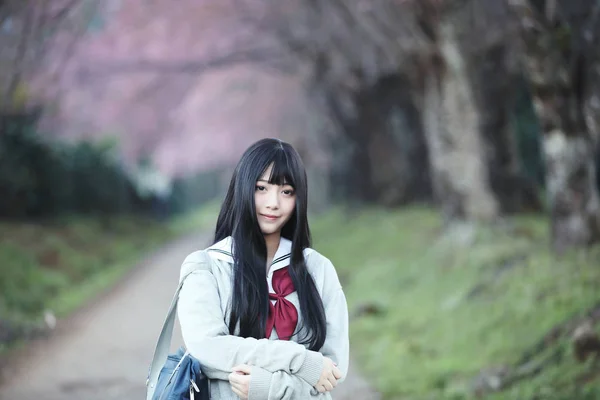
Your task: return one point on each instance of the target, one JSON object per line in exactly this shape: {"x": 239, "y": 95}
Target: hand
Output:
{"x": 329, "y": 376}
{"x": 240, "y": 380}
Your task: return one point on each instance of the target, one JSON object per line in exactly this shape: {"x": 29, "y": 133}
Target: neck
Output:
{"x": 272, "y": 242}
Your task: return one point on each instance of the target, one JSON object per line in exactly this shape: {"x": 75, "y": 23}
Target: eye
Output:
{"x": 260, "y": 188}
{"x": 288, "y": 192}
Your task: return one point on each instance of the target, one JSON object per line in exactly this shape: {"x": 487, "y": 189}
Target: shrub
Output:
{"x": 41, "y": 178}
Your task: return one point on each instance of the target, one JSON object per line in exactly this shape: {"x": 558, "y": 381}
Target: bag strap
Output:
{"x": 163, "y": 345}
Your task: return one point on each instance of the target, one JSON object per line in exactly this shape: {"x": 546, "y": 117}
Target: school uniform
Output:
{"x": 281, "y": 367}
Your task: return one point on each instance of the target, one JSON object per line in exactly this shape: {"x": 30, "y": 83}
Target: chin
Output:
{"x": 269, "y": 231}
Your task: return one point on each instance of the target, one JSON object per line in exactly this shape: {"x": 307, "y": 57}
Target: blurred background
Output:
{"x": 452, "y": 148}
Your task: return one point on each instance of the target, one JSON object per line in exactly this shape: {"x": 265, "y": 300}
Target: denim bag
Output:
{"x": 175, "y": 376}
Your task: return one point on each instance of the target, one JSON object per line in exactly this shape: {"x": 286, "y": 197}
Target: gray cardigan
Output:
{"x": 280, "y": 369}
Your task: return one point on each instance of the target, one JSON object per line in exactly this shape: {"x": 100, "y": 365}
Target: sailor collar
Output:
{"x": 223, "y": 250}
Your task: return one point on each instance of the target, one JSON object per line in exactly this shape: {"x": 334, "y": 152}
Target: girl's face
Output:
{"x": 274, "y": 204}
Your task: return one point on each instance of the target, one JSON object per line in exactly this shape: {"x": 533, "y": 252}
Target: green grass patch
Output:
{"x": 204, "y": 217}
{"x": 60, "y": 264}
{"x": 45, "y": 262}
{"x": 455, "y": 303}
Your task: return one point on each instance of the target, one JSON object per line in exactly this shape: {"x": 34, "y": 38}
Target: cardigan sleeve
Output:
{"x": 337, "y": 342}
{"x": 265, "y": 385}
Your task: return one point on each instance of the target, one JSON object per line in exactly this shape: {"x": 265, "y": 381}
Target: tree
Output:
{"x": 353, "y": 53}
{"x": 27, "y": 29}
{"x": 467, "y": 96}
{"x": 562, "y": 66}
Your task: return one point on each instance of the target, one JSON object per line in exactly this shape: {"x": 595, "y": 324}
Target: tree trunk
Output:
{"x": 571, "y": 186}
{"x": 592, "y": 87}
{"x": 396, "y": 148}
{"x": 569, "y": 149}
{"x": 569, "y": 153}
{"x": 468, "y": 103}
{"x": 373, "y": 159}
{"x": 452, "y": 128}
{"x": 495, "y": 77}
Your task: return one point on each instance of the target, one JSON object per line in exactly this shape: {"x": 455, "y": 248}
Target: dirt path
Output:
{"x": 102, "y": 353}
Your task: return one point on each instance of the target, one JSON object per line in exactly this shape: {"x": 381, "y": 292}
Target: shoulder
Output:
{"x": 314, "y": 259}
{"x": 321, "y": 268}
{"x": 216, "y": 259}
{"x": 196, "y": 261}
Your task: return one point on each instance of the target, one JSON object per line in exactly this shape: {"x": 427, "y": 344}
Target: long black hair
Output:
{"x": 237, "y": 218}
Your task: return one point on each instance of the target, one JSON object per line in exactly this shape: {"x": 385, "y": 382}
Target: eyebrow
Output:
{"x": 266, "y": 181}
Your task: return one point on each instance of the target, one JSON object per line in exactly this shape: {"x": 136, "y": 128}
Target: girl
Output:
{"x": 263, "y": 312}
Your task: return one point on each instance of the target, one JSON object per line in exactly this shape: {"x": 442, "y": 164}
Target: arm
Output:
{"x": 337, "y": 343}
{"x": 207, "y": 338}
{"x": 265, "y": 385}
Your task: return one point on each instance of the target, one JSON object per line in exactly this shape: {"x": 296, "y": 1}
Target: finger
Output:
{"x": 241, "y": 381}
{"x": 332, "y": 381}
{"x": 237, "y": 386}
{"x": 245, "y": 380}
{"x": 330, "y": 378}
{"x": 321, "y": 389}
{"x": 337, "y": 373}
{"x": 240, "y": 393}
{"x": 243, "y": 368}
{"x": 234, "y": 377}
{"x": 236, "y": 391}
{"x": 328, "y": 386}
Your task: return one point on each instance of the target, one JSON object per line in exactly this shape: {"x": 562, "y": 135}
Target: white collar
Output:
{"x": 223, "y": 250}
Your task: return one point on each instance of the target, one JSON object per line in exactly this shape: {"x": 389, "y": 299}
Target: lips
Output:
{"x": 270, "y": 217}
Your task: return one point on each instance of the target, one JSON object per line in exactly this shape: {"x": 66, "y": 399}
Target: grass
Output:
{"x": 204, "y": 217}
{"x": 61, "y": 264}
{"x": 452, "y": 304}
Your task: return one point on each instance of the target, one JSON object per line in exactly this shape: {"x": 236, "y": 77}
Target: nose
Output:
{"x": 272, "y": 200}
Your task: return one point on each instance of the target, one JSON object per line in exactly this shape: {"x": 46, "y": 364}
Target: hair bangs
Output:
{"x": 282, "y": 172}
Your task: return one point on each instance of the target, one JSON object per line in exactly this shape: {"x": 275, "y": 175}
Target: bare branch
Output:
{"x": 15, "y": 75}
{"x": 79, "y": 31}
{"x": 63, "y": 13}
{"x": 264, "y": 56}
{"x": 34, "y": 26}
